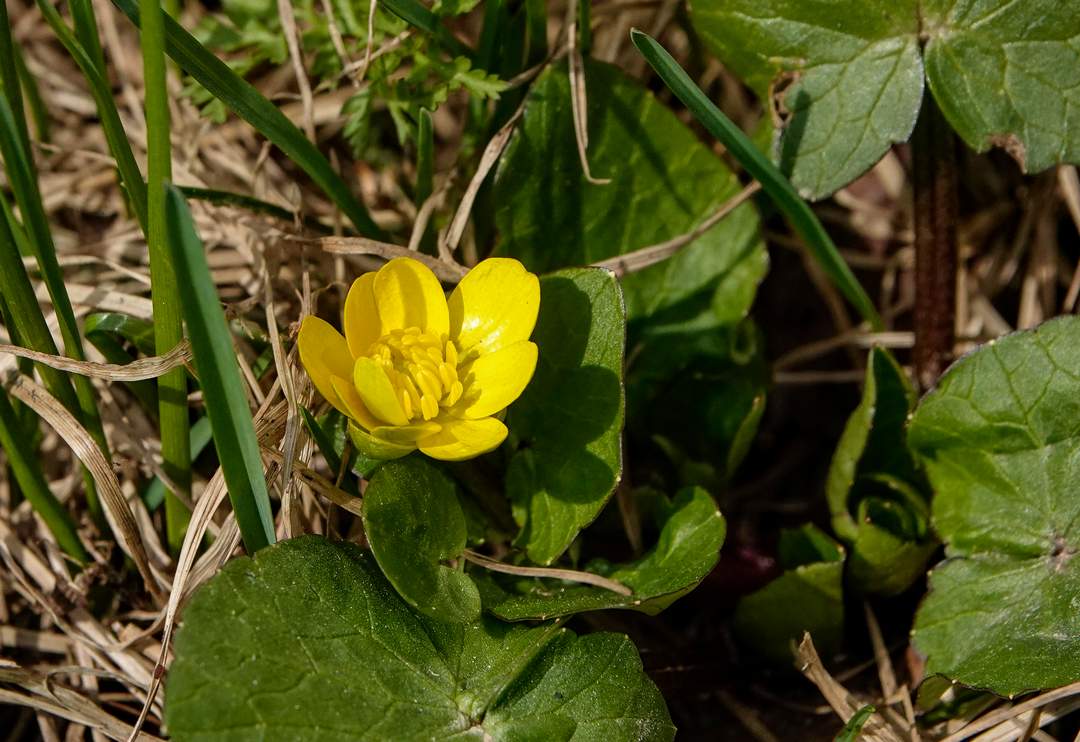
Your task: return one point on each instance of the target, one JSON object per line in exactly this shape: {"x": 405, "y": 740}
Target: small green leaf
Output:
{"x": 853, "y": 729}
{"x": 813, "y": 581}
{"x": 309, "y": 639}
{"x": 568, "y": 422}
{"x": 414, "y": 525}
{"x": 691, "y": 534}
{"x": 999, "y": 440}
{"x": 664, "y": 183}
{"x": 874, "y": 488}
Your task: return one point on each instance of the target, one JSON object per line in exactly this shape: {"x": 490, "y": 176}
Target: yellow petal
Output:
{"x": 494, "y": 306}
{"x": 353, "y": 404}
{"x": 378, "y": 393}
{"x": 405, "y": 434}
{"x": 408, "y": 295}
{"x": 325, "y": 354}
{"x": 464, "y": 439}
{"x": 376, "y": 448}
{"x": 361, "y": 316}
{"x": 494, "y": 380}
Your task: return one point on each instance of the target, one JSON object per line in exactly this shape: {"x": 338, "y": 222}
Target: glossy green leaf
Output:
{"x": 846, "y": 76}
{"x": 1000, "y": 443}
{"x": 664, "y": 182}
{"x": 691, "y": 534}
{"x": 874, "y": 488}
{"x": 414, "y": 526}
{"x": 250, "y": 105}
{"x": 568, "y": 422}
{"x": 812, "y": 580}
{"x": 773, "y": 182}
{"x": 219, "y": 378}
{"x": 309, "y": 639}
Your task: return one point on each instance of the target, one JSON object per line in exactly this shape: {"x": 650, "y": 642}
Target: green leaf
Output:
{"x": 698, "y": 392}
{"x": 774, "y": 183}
{"x": 874, "y": 488}
{"x": 852, "y": 731}
{"x": 308, "y": 638}
{"x": 813, "y": 581}
{"x": 1008, "y": 75}
{"x": 691, "y": 534}
{"x": 250, "y": 105}
{"x": 847, "y": 77}
{"x": 664, "y": 183}
{"x": 999, "y": 440}
{"x": 219, "y": 378}
{"x": 414, "y": 524}
{"x": 567, "y": 424}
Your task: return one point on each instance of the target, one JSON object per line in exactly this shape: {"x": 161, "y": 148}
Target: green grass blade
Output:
{"x": 9, "y": 79}
{"x": 26, "y": 467}
{"x": 219, "y": 377}
{"x": 250, "y": 105}
{"x": 28, "y": 327}
{"x": 164, "y": 293}
{"x": 117, "y": 139}
{"x": 38, "y": 112}
{"x": 23, "y": 180}
{"x": 86, "y": 31}
{"x": 761, "y": 169}
{"x": 415, "y": 14}
{"x": 425, "y": 182}
{"x": 257, "y": 205}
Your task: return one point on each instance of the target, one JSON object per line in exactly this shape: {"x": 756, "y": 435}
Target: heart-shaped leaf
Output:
{"x": 309, "y": 641}
{"x": 691, "y": 534}
{"x": 1000, "y": 443}
{"x": 568, "y": 422}
{"x": 847, "y": 76}
{"x": 414, "y": 524}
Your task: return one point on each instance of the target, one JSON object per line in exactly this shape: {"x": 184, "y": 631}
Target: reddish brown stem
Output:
{"x": 934, "y": 163}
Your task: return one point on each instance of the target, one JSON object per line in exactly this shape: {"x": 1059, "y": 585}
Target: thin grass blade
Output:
{"x": 164, "y": 293}
{"x": 22, "y": 178}
{"x": 219, "y": 377}
{"x": 761, "y": 169}
{"x": 415, "y": 14}
{"x": 249, "y": 104}
{"x": 117, "y": 139}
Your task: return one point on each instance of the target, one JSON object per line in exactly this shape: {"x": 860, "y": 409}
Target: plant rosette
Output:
{"x": 415, "y": 370}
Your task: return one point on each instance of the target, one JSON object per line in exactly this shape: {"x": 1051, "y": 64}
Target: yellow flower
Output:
{"x": 415, "y": 370}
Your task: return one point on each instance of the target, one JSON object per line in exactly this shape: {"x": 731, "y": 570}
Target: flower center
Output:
{"x": 423, "y": 369}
